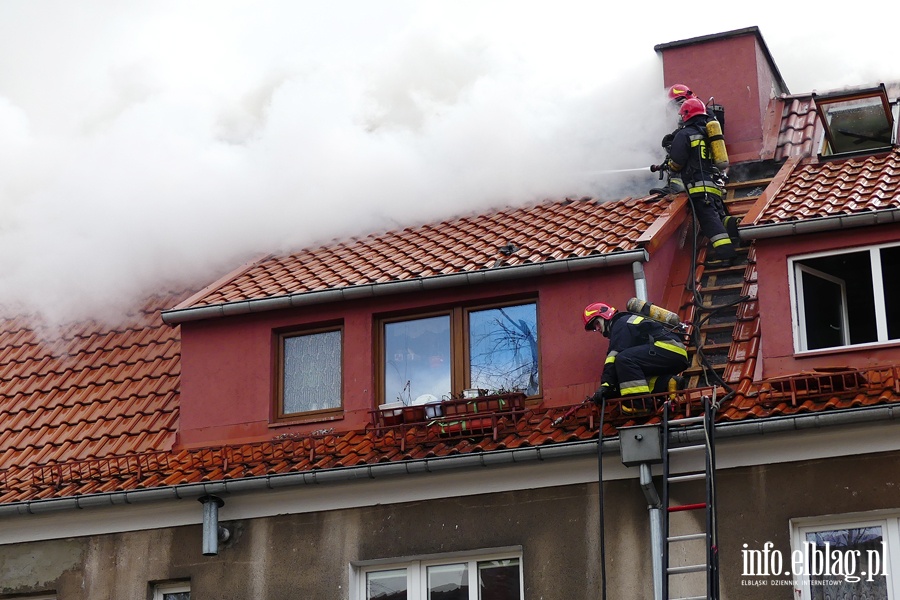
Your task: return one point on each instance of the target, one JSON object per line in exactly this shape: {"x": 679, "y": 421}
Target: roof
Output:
{"x": 93, "y": 408}
{"x": 813, "y": 190}
{"x": 537, "y": 234}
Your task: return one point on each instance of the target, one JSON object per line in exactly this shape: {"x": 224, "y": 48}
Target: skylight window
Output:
{"x": 858, "y": 122}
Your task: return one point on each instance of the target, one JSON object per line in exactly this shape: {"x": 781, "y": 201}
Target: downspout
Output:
{"x": 651, "y": 495}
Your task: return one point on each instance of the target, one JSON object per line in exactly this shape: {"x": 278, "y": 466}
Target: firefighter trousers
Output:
{"x": 635, "y": 365}
{"x": 710, "y": 214}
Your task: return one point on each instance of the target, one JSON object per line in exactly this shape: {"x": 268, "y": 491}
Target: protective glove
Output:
{"x": 667, "y": 140}
{"x": 598, "y": 396}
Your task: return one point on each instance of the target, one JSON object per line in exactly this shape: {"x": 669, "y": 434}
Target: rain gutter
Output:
{"x": 878, "y": 217}
{"x": 445, "y": 463}
{"x": 422, "y": 284}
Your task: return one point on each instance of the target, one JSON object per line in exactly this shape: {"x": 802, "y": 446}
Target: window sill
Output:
{"x": 302, "y": 419}
{"x": 799, "y": 354}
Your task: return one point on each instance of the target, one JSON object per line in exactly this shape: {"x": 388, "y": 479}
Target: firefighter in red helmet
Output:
{"x": 690, "y": 157}
{"x": 640, "y": 350}
{"x": 679, "y": 92}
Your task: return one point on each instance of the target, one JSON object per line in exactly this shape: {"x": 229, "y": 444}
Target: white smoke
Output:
{"x": 146, "y": 146}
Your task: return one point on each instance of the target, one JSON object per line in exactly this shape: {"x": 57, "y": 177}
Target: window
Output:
{"x": 846, "y": 557}
{"x": 847, "y": 298}
{"x": 310, "y": 373}
{"x": 496, "y": 577}
{"x": 860, "y": 121}
{"x": 172, "y": 591}
{"x": 491, "y": 348}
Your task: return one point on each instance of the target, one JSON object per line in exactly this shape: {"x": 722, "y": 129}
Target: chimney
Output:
{"x": 736, "y": 69}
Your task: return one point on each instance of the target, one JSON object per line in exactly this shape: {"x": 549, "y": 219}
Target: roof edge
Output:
{"x": 181, "y": 315}
{"x": 831, "y": 223}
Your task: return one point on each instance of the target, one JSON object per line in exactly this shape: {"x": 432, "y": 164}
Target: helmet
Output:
{"x": 594, "y": 311}
{"x": 691, "y": 108}
{"x": 679, "y": 93}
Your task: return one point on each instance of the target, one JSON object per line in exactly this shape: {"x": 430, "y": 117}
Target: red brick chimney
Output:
{"x": 736, "y": 69}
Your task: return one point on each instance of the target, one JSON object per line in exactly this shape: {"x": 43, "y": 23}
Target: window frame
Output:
{"x": 175, "y": 587}
{"x": 889, "y": 521}
{"x": 830, "y": 104}
{"x": 460, "y": 348}
{"x": 417, "y": 566}
{"x": 326, "y": 414}
{"x": 797, "y": 265}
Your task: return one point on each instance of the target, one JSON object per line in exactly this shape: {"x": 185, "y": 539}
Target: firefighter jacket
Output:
{"x": 627, "y": 330}
{"x": 691, "y": 156}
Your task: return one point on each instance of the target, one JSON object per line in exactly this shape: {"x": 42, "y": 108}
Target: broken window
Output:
{"x": 492, "y": 348}
{"x": 310, "y": 373}
{"x": 857, "y": 122}
{"x": 847, "y": 298}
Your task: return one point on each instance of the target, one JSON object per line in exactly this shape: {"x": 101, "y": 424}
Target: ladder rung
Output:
{"x": 692, "y": 598}
{"x": 679, "y": 449}
{"x": 687, "y": 537}
{"x": 681, "y": 507}
{"x": 686, "y": 569}
{"x": 690, "y": 477}
{"x": 686, "y": 420}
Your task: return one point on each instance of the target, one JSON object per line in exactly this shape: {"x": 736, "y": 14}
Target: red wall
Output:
{"x": 228, "y": 364}
{"x": 775, "y": 302}
{"x": 736, "y": 72}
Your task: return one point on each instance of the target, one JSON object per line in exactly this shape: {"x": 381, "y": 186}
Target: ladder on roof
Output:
{"x": 690, "y": 531}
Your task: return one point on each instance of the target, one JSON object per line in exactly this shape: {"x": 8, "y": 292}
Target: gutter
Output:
{"x": 878, "y": 217}
{"x": 445, "y": 463}
{"x": 422, "y": 284}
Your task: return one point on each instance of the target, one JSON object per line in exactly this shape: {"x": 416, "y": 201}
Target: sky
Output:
{"x": 159, "y": 145}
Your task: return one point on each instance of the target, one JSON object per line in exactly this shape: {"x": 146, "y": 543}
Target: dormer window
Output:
{"x": 310, "y": 367}
{"x": 494, "y": 348}
{"x": 858, "y": 122}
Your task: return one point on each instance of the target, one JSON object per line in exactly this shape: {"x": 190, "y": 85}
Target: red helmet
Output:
{"x": 691, "y": 108}
{"x": 680, "y": 92}
{"x": 594, "y": 311}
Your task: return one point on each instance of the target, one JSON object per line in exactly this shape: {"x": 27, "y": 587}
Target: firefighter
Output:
{"x": 678, "y": 93}
{"x": 641, "y": 350}
{"x": 690, "y": 156}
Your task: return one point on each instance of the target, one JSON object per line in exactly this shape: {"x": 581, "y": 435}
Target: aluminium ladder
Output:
{"x": 706, "y": 446}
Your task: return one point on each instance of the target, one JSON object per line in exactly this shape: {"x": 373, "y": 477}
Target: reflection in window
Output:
{"x": 848, "y": 298}
{"x": 503, "y": 351}
{"x": 386, "y": 585}
{"x": 311, "y": 372}
{"x": 863, "y": 544}
{"x": 488, "y": 348}
{"x": 474, "y": 579}
{"x": 417, "y": 358}
{"x": 860, "y": 121}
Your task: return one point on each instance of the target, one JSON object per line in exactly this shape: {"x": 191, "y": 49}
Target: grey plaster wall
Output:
{"x": 307, "y": 556}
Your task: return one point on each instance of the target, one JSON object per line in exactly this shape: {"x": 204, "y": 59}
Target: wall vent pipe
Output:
{"x": 212, "y": 532}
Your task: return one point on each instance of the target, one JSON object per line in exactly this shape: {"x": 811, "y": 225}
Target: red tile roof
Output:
{"x": 94, "y": 408}
{"x": 834, "y": 187}
{"x": 539, "y": 233}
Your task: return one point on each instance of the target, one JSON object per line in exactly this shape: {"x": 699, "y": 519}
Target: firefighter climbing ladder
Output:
{"x": 679, "y": 544}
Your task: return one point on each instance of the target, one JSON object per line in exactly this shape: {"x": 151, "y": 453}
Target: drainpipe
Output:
{"x": 654, "y": 508}
{"x": 653, "y": 502}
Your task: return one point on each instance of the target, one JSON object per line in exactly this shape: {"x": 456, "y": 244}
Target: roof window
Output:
{"x": 856, "y": 122}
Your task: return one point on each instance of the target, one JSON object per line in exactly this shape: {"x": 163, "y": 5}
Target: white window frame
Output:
{"x": 889, "y": 521}
{"x": 161, "y": 589}
{"x": 796, "y": 268}
{"x": 417, "y": 568}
